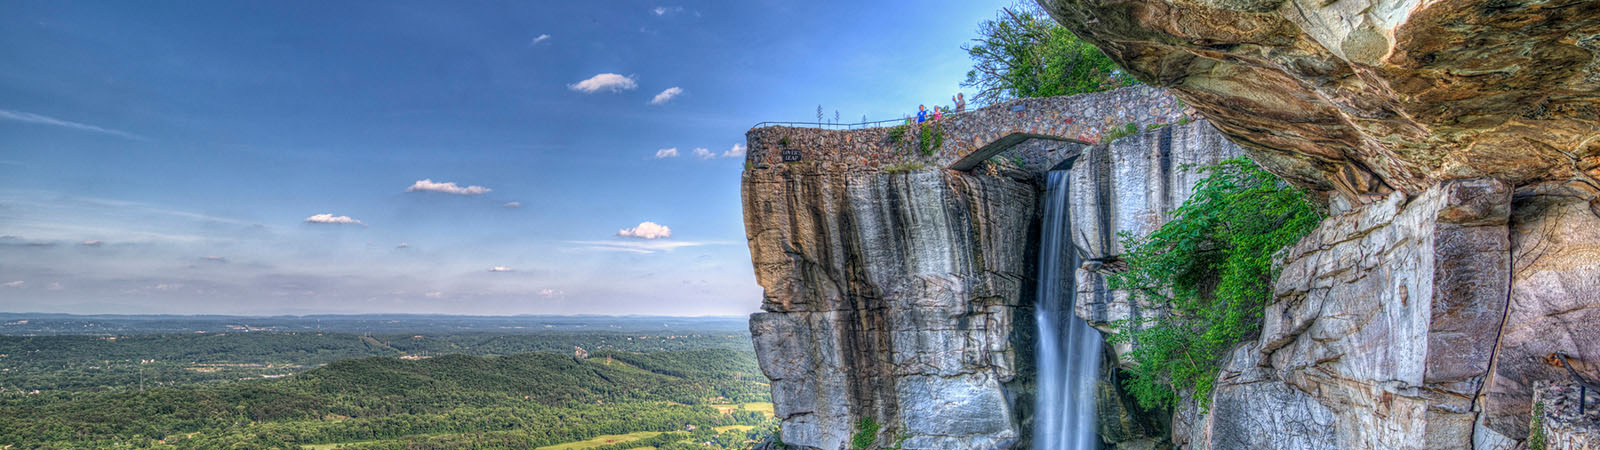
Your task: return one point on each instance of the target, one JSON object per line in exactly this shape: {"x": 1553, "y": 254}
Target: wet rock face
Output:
{"x": 894, "y": 296}
{"x": 1366, "y": 96}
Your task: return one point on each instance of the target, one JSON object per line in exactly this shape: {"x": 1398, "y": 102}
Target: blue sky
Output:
{"x": 187, "y": 157}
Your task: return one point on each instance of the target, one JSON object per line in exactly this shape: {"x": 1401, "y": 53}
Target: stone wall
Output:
{"x": 1081, "y": 118}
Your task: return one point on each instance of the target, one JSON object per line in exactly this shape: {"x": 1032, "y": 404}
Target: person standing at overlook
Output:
{"x": 961, "y": 103}
{"x": 922, "y": 113}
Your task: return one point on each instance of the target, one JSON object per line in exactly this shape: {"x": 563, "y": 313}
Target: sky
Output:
{"x": 536, "y": 157}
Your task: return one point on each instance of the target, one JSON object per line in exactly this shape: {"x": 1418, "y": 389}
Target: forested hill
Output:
{"x": 517, "y": 401}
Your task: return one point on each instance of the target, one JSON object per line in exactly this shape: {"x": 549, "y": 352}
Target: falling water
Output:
{"x": 1069, "y": 349}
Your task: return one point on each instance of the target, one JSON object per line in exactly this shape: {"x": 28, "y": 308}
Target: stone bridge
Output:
{"x": 961, "y": 141}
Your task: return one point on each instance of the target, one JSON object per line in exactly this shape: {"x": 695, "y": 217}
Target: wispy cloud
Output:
{"x": 604, "y": 82}
{"x": 540, "y": 39}
{"x": 641, "y": 247}
{"x": 14, "y": 284}
{"x": 667, "y": 153}
{"x": 664, "y": 10}
{"x": 702, "y": 153}
{"x": 332, "y": 219}
{"x": 666, "y": 96}
{"x": 501, "y": 269}
{"x": 92, "y": 243}
{"x": 27, "y": 117}
{"x": 551, "y": 293}
{"x": 403, "y": 245}
{"x": 427, "y": 185}
{"x": 215, "y": 259}
{"x": 513, "y": 204}
{"x": 646, "y": 230}
{"x": 736, "y": 152}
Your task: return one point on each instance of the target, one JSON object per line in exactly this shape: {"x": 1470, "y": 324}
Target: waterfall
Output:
{"x": 1069, "y": 349}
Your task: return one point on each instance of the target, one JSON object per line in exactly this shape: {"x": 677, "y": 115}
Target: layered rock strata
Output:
{"x": 1367, "y": 96}
{"x": 895, "y": 297}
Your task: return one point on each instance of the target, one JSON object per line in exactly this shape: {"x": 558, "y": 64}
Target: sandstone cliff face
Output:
{"x": 1365, "y": 96}
{"x": 892, "y": 296}
{"x": 1458, "y": 144}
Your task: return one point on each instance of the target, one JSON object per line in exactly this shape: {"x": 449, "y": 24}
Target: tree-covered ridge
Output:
{"x": 121, "y": 362}
{"x": 1209, "y": 270}
{"x": 539, "y": 398}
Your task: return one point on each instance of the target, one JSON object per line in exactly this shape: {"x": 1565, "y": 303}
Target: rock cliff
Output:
{"x": 906, "y": 297}
{"x": 1367, "y": 96}
{"x": 892, "y": 296}
{"x": 1458, "y": 145}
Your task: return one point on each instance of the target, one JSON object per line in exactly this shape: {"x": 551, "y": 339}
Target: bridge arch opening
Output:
{"x": 1064, "y": 150}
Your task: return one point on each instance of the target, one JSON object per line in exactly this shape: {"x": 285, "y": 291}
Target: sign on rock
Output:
{"x": 791, "y": 155}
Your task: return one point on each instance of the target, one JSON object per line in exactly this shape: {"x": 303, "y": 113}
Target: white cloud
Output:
{"x": 167, "y": 286}
{"x": 427, "y": 185}
{"x": 664, "y": 10}
{"x": 14, "y": 284}
{"x": 332, "y": 219}
{"x": 54, "y": 286}
{"x": 27, "y": 117}
{"x": 551, "y": 293}
{"x": 403, "y": 245}
{"x": 501, "y": 269}
{"x": 646, "y": 230}
{"x": 434, "y": 294}
{"x": 215, "y": 259}
{"x": 666, "y": 95}
{"x": 702, "y": 153}
{"x": 541, "y": 38}
{"x": 667, "y": 153}
{"x": 513, "y": 204}
{"x": 736, "y": 152}
{"x": 92, "y": 243}
{"x": 604, "y": 82}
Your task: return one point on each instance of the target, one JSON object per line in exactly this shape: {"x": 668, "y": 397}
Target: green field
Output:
{"x": 603, "y": 440}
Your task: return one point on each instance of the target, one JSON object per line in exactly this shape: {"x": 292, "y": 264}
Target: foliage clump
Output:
{"x": 1536, "y": 437}
{"x": 930, "y": 138}
{"x": 1025, "y": 53}
{"x": 1127, "y": 129}
{"x": 1210, "y": 269}
{"x": 866, "y": 433}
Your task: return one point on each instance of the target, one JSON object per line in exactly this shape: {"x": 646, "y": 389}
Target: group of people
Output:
{"x": 938, "y": 112}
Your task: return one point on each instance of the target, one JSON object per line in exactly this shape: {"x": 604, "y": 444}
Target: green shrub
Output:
{"x": 1123, "y": 131}
{"x": 866, "y": 432}
{"x": 930, "y": 139}
{"x": 897, "y": 133}
{"x": 1211, "y": 268}
{"x": 1536, "y": 437}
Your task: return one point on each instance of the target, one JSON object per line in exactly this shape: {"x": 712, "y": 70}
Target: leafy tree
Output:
{"x": 1210, "y": 268}
{"x": 1024, "y": 53}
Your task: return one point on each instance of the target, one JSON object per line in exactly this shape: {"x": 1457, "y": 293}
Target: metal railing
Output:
{"x": 830, "y": 125}
{"x": 857, "y": 125}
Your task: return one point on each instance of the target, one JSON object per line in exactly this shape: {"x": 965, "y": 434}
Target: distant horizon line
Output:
{"x": 486, "y": 316}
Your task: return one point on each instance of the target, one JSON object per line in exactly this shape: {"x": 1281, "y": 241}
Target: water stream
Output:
{"x": 1069, "y": 349}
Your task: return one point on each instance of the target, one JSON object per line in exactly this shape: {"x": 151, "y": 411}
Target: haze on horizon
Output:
{"x": 411, "y": 157}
